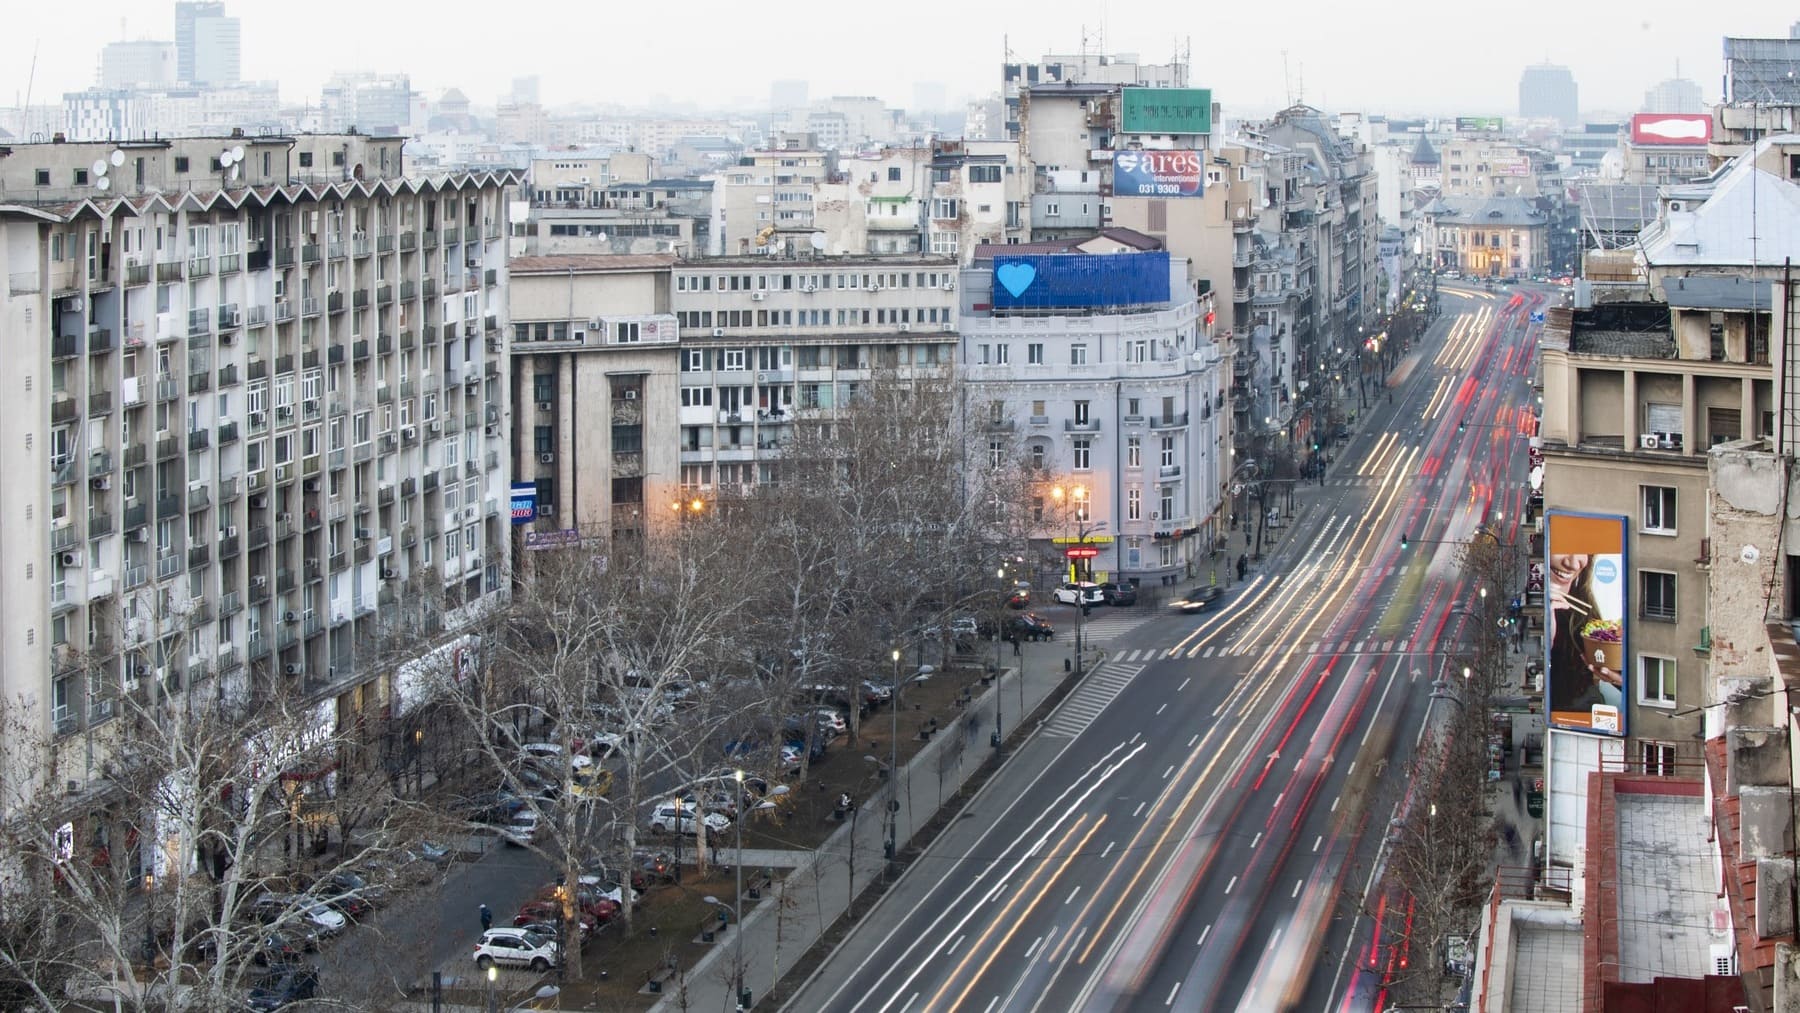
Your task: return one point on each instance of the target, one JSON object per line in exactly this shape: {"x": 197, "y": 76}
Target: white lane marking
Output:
{"x": 1352, "y": 768}
{"x": 1170, "y": 1001}
{"x": 1164, "y": 707}
{"x": 1184, "y": 684}
{"x": 1139, "y": 811}
{"x": 1231, "y": 884}
{"x": 1133, "y": 740}
{"x": 1273, "y": 939}
{"x": 989, "y": 1008}
{"x": 1334, "y": 803}
{"x": 1254, "y": 841}
{"x": 1035, "y": 943}
{"x": 1166, "y": 773}
{"x": 954, "y": 945}
{"x": 1072, "y": 894}
{"x": 1194, "y": 740}
{"x": 1203, "y": 933}
{"x": 1108, "y": 849}
{"x": 1298, "y": 883}
{"x": 912, "y": 999}
{"x": 1278, "y": 799}
{"x": 1318, "y": 841}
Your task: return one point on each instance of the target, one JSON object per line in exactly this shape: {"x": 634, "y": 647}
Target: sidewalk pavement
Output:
{"x": 818, "y": 891}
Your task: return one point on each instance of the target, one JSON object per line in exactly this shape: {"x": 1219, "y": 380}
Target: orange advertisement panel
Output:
{"x": 1586, "y": 598}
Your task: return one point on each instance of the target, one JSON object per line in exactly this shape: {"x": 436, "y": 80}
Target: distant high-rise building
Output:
{"x": 1676, "y": 95}
{"x": 784, "y": 95}
{"x": 525, "y": 90}
{"x": 206, "y": 43}
{"x": 372, "y": 103}
{"x": 144, "y": 63}
{"x": 1548, "y": 92}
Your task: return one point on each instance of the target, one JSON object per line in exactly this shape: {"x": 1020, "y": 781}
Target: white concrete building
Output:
{"x": 1128, "y": 404}
{"x": 137, "y": 63}
{"x": 255, "y": 427}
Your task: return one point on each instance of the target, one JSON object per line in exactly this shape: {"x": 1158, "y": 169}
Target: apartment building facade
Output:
{"x": 767, "y": 199}
{"x": 944, "y": 200}
{"x": 769, "y": 342}
{"x": 594, "y": 369}
{"x": 1126, "y": 403}
{"x": 260, "y": 403}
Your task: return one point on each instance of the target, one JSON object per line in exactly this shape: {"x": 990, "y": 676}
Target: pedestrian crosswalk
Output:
{"x": 1103, "y": 626}
{"x": 1085, "y": 704}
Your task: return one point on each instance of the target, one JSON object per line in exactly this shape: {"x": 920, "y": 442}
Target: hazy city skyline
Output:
{"x": 712, "y": 56}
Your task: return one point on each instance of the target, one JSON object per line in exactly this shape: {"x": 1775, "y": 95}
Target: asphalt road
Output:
{"x": 1175, "y": 836}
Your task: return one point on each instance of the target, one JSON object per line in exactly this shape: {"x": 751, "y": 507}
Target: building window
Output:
{"x": 1134, "y": 504}
{"x": 1077, "y": 355}
{"x": 1659, "y": 758}
{"x": 996, "y": 454}
{"x": 1659, "y": 510}
{"x": 1081, "y": 413}
{"x": 1657, "y": 594}
{"x": 1168, "y": 451}
{"x": 1052, "y": 211}
{"x": 625, "y": 332}
{"x": 1037, "y": 457}
{"x": 1656, "y": 680}
{"x": 1166, "y": 504}
{"x": 1034, "y": 354}
{"x": 1134, "y": 451}
{"x": 1083, "y": 454}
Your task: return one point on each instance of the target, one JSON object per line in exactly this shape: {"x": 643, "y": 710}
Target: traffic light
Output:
{"x": 1462, "y": 427}
{"x": 1403, "y": 542}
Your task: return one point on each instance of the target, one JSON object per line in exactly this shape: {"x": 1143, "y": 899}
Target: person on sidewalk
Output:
{"x": 1015, "y": 642}
{"x": 487, "y": 918}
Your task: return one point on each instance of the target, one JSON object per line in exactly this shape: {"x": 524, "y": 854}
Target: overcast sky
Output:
{"x": 1396, "y": 58}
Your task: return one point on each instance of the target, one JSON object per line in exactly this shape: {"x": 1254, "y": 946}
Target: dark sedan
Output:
{"x": 1199, "y": 599}
{"x": 1119, "y": 594}
{"x": 1029, "y": 626}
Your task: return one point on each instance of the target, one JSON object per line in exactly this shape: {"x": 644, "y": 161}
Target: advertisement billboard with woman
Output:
{"x": 1586, "y": 636}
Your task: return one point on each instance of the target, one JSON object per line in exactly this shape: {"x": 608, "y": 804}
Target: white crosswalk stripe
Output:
{"x": 1086, "y": 703}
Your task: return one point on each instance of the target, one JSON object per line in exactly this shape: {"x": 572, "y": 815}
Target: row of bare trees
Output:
{"x": 715, "y": 627}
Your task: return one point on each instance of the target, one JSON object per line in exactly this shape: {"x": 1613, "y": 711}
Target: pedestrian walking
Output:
{"x": 1243, "y": 566}
{"x": 1015, "y": 642}
{"x": 487, "y": 918}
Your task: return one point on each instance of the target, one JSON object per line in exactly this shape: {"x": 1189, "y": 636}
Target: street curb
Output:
{"x": 1055, "y": 699}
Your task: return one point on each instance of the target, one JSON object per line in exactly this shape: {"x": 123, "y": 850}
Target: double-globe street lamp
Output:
{"x": 1079, "y": 554}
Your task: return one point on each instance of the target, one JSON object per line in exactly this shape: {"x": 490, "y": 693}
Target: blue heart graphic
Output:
{"x": 1016, "y": 277}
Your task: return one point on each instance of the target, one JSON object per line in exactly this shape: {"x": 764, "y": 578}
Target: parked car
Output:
{"x": 1119, "y": 594}
{"x": 1019, "y": 597}
{"x": 304, "y": 913}
{"x": 608, "y": 879}
{"x": 1079, "y": 593}
{"x": 353, "y": 884}
{"x": 540, "y": 910}
{"x": 1199, "y": 599}
{"x": 522, "y": 830}
{"x": 549, "y": 757}
{"x": 343, "y": 893}
{"x": 877, "y": 693}
{"x": 1030, "y": 626}
{"x": 673, "y": 816}
{"x": 491, "y": 807}
{"x": 591, "y": 785}
{"x": 282, "y": 985}
{"x": 517, "y": 947}
{"x": 957, "y": 628}
{"x": 652, "y": 866}
{"x": 793, "y": 749}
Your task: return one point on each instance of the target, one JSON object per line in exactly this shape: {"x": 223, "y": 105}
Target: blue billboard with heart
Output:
{"x": 1052, "y": 281}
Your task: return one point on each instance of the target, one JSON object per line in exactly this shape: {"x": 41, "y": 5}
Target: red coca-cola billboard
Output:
{"x": 1671, "y": 128}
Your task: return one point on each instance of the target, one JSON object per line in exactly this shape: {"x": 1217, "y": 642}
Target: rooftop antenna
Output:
{"x": 1287, "y": 80}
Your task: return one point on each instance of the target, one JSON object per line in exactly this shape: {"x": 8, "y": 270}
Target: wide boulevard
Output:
{"x": 1197, "y": 826}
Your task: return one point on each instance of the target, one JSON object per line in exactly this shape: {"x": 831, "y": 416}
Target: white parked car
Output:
{"x": 518, "y": 947}
{"x": 550, "y": 755}
{"x": 318, "y": 916}
{"x": 672, "y": 816}
{"x": 522, "y": 830}
{"x": 1077, "y": 594}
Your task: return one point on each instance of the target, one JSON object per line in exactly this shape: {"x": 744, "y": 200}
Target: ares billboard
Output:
{"x": 1080, "y": 280}
{"x": 1166, "y": 111}
{"x": 1158, "y": 174}
{"x": 1586, "y": 637}
{"x": 1671, "y": 128}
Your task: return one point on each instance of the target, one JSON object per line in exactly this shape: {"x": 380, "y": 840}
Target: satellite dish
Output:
{"x": 118, "y": 157}
{"x": 237, "y": 172}
{"x": 104, "y": 183}
{"x": 817, "y": 240}
{"x": 100, "y": 167}
{"x": 237, "y": 153}
{"x": 601, "y": 237}
{"x": 225, "y": 158}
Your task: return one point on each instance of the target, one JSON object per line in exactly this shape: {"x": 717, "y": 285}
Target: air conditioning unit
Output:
{"x": 260, "y": 500}
{"x": 630, "y": 394}
{"x": 362, "y": 534}
{"x": 231, "y": 531}
{"x": 139, "y": 535}
{"x": 594, "y": 324}
{"x": 1155, "y": 516}
{"x": 310, "y": 485}
{"x": 1647, "y": 441}
{"x": 225, "y": 337}
{"x": 493, "y": 429}
{"x": 282, "y": 472}
{"x": 1668, "y": 441}
{"x": 949, "y": 286}
{"x": 101, "y": 482}
{"x": 758, "y": 296}
{"x": 809, "y": 287}
{"x": 409, "y": 432}
{"x": 285, "y": 517}
{"x": 762, "y": 377}
{"x": 139, "y": 669}
{"x": 290, "y": 617}
{"x": 469, "y": 512}
{"x": 546, "y": 406}
{"x": 472, "y": 380}
{"x": 71, "y": 559}
{"x": 718, "y": 332}
{"x": 387, "y": 573}
{"x": 434, "y": 427}
{"x": 905, "y": 327}
{"x": 291, "y": 668}
{"x": 546, "y": 458}
{"x": 546, "y": 510}
{"x": 493, "y": 344}
{"x": 259, "y": 581}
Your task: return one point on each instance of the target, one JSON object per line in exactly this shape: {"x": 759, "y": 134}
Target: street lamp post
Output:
{"x": 493, "y": 1000}
{"x": 1077, "y": 556}
{"x": 893, "y": 806}
{"x": 999, "y": 736}
{"x": 737, "y": 899}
